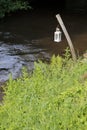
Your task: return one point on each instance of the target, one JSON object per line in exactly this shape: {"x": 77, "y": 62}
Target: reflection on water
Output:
{"x": 27, "y": 37}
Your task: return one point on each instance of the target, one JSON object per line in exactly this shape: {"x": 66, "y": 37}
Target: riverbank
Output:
{"x": 29, "y": 36}
{"x": 53, "y": 96}
{"x": 2, "y": 91}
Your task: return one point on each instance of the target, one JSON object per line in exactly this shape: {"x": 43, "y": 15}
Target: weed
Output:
{"x": 51, "y": 98}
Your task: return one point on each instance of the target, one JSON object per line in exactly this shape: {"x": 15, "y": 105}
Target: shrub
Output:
{"x": 53, "y": 97}
{"x": 7, "y": 6}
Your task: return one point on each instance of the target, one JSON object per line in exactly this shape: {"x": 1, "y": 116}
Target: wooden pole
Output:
{"x": 67, "y": 37}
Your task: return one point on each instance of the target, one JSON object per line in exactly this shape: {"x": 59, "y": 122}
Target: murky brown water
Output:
{"x": 27, "y": 37}
{"x": 37, "y": 27}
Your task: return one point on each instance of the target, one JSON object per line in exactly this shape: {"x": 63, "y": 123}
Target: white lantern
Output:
{"x": 57, "y": 35}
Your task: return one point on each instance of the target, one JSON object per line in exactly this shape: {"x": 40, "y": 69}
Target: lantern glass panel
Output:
{"x": 57, "y": 35}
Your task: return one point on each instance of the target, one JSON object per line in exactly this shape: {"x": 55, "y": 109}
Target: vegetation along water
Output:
{"x": 53, "y": 97}
{"x": 7, "y": 6}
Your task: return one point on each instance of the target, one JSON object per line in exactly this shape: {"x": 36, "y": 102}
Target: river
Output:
{"x": 28, "y": 36}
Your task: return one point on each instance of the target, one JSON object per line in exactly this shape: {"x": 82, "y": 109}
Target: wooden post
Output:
{"x": 67, "y": 37}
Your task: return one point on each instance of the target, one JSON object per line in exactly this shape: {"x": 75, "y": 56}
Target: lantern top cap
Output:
{"x": 57, "y": 29}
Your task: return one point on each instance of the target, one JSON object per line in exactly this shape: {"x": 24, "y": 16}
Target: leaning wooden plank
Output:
{"x": 67, "y": 37}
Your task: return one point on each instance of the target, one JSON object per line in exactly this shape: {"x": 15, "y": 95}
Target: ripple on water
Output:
{"x": 14, "y": 56}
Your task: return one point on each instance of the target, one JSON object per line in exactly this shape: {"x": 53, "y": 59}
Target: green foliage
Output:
{"x": 7, "y": 6}
{"x": 53, "y": 97}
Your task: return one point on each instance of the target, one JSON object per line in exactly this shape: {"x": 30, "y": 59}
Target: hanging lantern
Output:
{"x": 57, "y": 35}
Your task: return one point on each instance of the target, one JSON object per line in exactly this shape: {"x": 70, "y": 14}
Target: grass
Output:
{"x": 53, "y": 97}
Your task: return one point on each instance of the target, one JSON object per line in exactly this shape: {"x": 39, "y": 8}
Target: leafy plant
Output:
{"x": 7, "y": 6}
{"x": 53, "y": 97}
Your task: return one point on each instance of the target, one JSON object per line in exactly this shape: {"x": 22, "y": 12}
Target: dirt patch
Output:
{"x": 2, "y": 91}
{"x": 1, "y": 96}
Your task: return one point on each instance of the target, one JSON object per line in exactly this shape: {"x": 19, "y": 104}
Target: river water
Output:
{"x": 28, "y": 36}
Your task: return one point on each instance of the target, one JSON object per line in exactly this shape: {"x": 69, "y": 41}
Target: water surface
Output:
{"x": 28, "y": 36}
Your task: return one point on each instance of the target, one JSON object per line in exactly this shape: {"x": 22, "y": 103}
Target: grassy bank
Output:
{"x": 53, "y": 97}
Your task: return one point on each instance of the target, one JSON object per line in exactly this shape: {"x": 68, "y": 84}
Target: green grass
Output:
{"x": 53, "y": 97}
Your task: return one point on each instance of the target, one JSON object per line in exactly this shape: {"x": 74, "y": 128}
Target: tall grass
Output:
{"x": 53, "y": 97}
